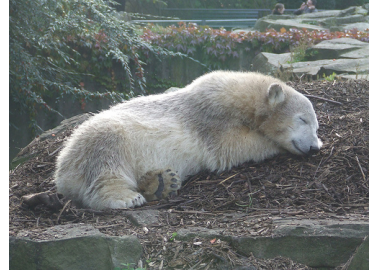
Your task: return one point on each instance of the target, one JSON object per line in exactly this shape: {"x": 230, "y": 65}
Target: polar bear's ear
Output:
{"x": 275, "y": 94}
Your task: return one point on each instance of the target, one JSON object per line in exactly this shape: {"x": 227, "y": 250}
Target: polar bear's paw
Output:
{"x": 126, "y": 199}
{"x": 159, "y": 184}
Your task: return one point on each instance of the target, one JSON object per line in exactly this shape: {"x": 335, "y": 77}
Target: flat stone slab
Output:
{"x": 360, "y": 26}
{"x": 333, "y": 20}
{"x": 338, "y": 48}
{"x": 316, "y": 243}
{"x": 359, "y": 53}
{"x": 346, "y": 41}
{"x": 287, "y": 24}
{"x": 341, "y": 56}
{"x": 268, "y": 63}
{"x": 143, "y": 217}
{"x": 360, "y": 259}
{"x": 327, "y": 67}
{"x": 72, "y": 247}
{"x": 321, "y": 14}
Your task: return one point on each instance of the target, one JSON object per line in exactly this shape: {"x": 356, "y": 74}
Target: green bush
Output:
{"x": 55, "y": 44}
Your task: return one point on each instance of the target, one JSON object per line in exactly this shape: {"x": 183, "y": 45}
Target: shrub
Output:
{"x": 55, "y": 44}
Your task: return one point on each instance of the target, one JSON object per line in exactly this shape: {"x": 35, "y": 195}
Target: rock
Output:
{"x": 362, "y": 10}
{"x": 347, "y": 11}
{"x": 263, "y": 24}
{"x": 328, "y": 22}
{"x": 323, "y": 68}
{"x": 143, "y": 217}
{"x": 315, "y": 243}
{"x": 321, "y": 14}
{"x": 360, "y": 260}
{"x": 72, "y": 247}
{"x": 269, "y": 63}
{"x": 335, "y": 48}
{"x": 345, "y": 56}
{"x": 361, "y": 26}
{"x": 334, "y": 20}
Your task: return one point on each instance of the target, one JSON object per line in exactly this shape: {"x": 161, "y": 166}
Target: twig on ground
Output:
{"x": 193, "y": 212}
{"x": 64, "y": 208}
{"x": 228, "y": 178}
{"x": 325, "y": 99}
{"x": 362, "y": 172}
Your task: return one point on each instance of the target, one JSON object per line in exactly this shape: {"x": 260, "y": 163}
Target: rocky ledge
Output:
{"x": 333, "y": 20}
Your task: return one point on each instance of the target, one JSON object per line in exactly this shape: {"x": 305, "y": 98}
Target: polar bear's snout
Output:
{"x": 313, "y": 150}
{"x": 305, "y": 144}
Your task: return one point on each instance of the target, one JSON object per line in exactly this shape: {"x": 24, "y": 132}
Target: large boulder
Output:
{"x": 269, "y": 63}
{"x": 360, "y": 26}
{"x": 324, "y": 68}
{"x": 346, "y": 57}
{"x": 339, "y": 48}
{"x": 360, "y": 259}
{"x": 325, "y": 244}
{"x": 264, "y": 24}
{"x": 334, "y": 20}
{"x": 73, "y": 246}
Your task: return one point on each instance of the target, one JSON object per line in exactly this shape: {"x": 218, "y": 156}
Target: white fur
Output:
{"x": 220, "y": 120}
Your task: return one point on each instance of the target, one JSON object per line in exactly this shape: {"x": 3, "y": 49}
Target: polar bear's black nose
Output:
{"x": 313, "y": 150}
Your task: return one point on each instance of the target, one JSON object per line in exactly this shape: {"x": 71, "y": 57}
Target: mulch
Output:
{"x": 333, "y": 184}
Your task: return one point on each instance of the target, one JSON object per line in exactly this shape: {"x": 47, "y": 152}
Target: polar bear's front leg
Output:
{"x": 129, "y": 199}
{"x": 159, "y": 184}
{"x": 113, "y": 193}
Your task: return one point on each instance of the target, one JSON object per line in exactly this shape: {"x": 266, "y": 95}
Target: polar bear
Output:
{"x": 142, "y": 149}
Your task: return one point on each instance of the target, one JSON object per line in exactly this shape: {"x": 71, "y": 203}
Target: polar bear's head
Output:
{"x": 290, "y": 120}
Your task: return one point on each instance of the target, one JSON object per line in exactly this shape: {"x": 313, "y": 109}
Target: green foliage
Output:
{"x": 330, "y": 78}
{"x": 174, "y": 235}
{"x": 299, "y": 52}
{"x": 54, "y": 45}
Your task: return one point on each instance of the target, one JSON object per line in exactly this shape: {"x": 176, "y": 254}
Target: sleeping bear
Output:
{"x": 142, "y": 149}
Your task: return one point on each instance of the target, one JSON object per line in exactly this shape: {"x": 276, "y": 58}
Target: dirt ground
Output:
{"x": 332, "y": 184}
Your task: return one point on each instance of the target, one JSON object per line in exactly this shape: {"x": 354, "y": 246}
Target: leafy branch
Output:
{"x": 55, "y": 44}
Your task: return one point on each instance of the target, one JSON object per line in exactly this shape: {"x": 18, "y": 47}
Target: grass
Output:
{"x": 330, "y": 78}
{"x": 299, "y": 52}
